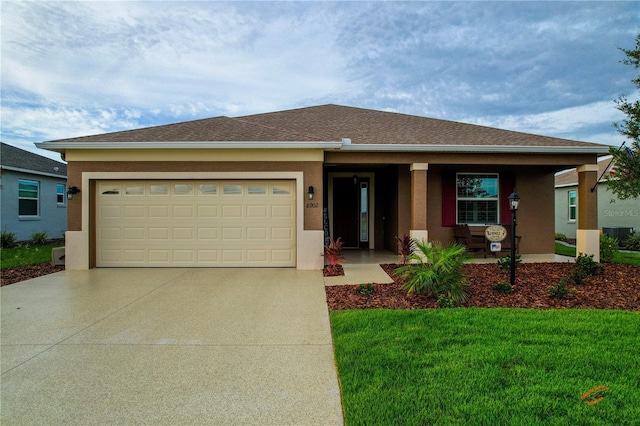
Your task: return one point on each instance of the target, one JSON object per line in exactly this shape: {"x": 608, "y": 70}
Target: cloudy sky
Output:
{"x": 79, "y": 68}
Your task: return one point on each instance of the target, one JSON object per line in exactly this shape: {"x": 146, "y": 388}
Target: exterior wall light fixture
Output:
{"x": 72, "y": 191}
{"x": 310, "y": 193}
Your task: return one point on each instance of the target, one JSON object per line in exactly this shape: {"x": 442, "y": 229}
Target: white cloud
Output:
{"x": 76, "y": 68}
{"x": 566, "y": 123}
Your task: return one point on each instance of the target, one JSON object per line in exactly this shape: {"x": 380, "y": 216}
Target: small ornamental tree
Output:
{"x": 625, "y": 181}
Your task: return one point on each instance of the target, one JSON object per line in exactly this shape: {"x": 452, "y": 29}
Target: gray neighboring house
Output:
{"x": 617, "y": 214}
{"x": 33, "y": 194}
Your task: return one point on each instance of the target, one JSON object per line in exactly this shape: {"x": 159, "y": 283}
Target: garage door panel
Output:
{"x": 261, "y": 234}
{"x": 113, "y": 234}
{"x": 159, "y": 256}
{"x": 232, "y": 256}
{"x": 207, "y": 233}
{"x": 282, "y": 211}
{"x": 158, "y": 212}
{"x": 196, "y": 223}
{"x": 258, "y": 211}
{"x": 134, "y": 234}
{"x": 285, "y": 234}
{"x": 183, "y": 211}
{"x": 183, "y": 233}
{"x": 258, "y": 255}
{"x": 231, "y": 234}
{"x": 134, "y": 211}
{"x": 232, "y": 211}
{"x": 207, "y": 212}
{"x": 109, "y": 212}
{"x": 208, "y": 256}
{"x": 159, "y": 233}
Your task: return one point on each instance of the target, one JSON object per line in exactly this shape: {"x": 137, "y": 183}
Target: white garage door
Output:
{"x": 195, "y": 223}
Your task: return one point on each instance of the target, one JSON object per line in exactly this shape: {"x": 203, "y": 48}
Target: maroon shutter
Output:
{"x": 507, "y": 184}
{"x": 448, "y": 199}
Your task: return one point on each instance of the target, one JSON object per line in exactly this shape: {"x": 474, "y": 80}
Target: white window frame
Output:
{"x": 36, "y": 198}
{"x": 495, "y": 199}
{"x": 61, "y": 195}
{"x": 572, "y": 207}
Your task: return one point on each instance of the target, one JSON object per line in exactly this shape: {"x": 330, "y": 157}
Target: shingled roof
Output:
{"x": 570, "y": 177}
{"x": 13, "y": 158}
{"x": 333, "y": 123}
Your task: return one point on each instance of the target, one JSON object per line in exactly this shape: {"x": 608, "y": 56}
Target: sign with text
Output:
{"x": 495, "y": 233}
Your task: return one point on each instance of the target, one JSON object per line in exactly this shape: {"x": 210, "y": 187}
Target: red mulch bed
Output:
{"x": 22, "y": 273}
{"x": 617, "y": 288}
{"x": 333, "y": 271}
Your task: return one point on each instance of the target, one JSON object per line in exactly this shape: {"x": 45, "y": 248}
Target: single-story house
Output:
{"x": 613, "y": 213}
{"x": 33, "y": 193}
{"x": 262, "y": 190}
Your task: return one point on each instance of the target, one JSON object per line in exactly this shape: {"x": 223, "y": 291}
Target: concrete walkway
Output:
{"x": 168, "y": 346}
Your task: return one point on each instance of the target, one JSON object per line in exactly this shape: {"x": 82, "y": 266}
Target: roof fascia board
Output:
{"x": 61, "y": 146}
{"x": 510, "y": 149}
{"x": 344, "y": 145}
{"x": 32, "y": 172}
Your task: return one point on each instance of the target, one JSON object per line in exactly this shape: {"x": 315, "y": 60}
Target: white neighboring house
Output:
{"x": 613, "y": 214}
{"x": 33, "y": 194}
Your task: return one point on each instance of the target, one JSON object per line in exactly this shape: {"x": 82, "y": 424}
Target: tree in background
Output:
{"x": 625, "y": 182}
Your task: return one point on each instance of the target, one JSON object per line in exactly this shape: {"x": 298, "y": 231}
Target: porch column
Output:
{"x": 588, "y": 234}
{"x": 418, "y": 228}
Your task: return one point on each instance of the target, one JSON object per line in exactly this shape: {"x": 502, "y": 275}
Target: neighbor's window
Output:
{"x": 573, "y": 206}
{"x": 477, "y": 198}
{"x": 28, "y": 197}
{"x": 60, "y": 194}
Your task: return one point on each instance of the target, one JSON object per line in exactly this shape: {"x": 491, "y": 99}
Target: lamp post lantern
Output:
{"x": 514, "y": 200}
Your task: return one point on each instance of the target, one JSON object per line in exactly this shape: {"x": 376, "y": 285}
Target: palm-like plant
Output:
{"x": 406, "y": 246}
{"x": 436, "y": 270}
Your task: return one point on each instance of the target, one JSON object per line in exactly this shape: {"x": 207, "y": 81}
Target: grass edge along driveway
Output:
{"x": 487, "y": 366}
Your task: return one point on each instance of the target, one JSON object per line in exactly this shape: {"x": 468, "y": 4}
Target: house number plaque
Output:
{"x": 495, "y": 233}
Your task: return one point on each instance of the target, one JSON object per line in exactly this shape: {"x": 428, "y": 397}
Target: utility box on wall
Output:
{"x": 57, "y": 256}
{"x": 620, "y": 233}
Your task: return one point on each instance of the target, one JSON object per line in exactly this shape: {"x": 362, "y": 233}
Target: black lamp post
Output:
{"x": 514, "y": 200}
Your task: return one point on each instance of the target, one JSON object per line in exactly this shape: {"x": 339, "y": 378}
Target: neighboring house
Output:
{"x": 616, "y": 214}
{"x": 261, "y": 190}
{"x": 33, "y": 194}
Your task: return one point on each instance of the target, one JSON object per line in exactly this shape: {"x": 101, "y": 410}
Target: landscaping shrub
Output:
{"x": 366, "y": 289}
{"x": 632, "y": 243}
{"x": 8, "y": 239}
{"x": 608, "y": 248}
{"x": 39, "y": 238}
{"x": 587, "y": 266}
{"x": 560, "y": 290}
{"x": 437, "y": 271}
{"x": 504, "y": 263}
{"x": 503, "y": 287}
{"x": 560, "y": 236}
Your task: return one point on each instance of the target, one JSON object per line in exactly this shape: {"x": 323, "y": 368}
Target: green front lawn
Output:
{"x": 620, "y": 257}
{"x": 23, "y": 255}
{"x": 487, "y": 366}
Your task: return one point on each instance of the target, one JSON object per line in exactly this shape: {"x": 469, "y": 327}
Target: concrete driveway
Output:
{"x": 168, "y": 346}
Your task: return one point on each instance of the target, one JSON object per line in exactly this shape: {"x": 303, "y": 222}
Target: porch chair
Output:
{"x": 476, "y": 244}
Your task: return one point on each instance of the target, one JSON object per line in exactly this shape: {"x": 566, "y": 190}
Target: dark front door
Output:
{"x": 346, "y": 211}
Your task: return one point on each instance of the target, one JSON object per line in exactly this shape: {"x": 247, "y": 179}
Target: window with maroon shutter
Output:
{"x": 476, "y": 198}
